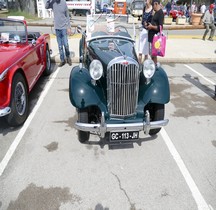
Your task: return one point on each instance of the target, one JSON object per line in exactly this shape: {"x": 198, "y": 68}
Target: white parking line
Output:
{"x": 22, "y": 131}
{"x": 200, "y": 201}
{"x": 208, "y": 80}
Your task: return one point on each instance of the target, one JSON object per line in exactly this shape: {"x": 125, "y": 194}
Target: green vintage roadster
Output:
{"x": 113, "y": 94}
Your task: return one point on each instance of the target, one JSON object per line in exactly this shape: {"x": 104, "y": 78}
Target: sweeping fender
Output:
{"x": 82, "y": 92}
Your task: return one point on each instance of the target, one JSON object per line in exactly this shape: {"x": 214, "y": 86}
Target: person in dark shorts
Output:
{"x": 154, "y": 26}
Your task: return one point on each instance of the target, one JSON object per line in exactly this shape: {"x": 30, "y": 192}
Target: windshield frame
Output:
{"x": 13, "y": 31}
{"x": 106, "y": 22}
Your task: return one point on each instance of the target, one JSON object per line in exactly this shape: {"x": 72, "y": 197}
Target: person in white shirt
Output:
{"x": 193, "y": 8}
{"x": 203, "y": 8}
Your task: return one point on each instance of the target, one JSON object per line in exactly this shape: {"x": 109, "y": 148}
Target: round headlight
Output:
{"x": 148, "y": 68}
{"x": 96, "y": 69}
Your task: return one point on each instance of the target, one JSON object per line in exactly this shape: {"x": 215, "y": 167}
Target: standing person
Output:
{"x": 185, "y": 8}
{"x": 156, "y": 22}
{"x": 62, "y": 28}
{"x": 143, "y": 40}
{"x": 208, "y": 21}
{"x": 193, "y": 8}
{"x": 168, "y": 7}
{"x": 203, "y": 8}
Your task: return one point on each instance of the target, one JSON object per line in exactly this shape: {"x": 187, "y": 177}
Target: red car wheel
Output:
{"x": 19, "y": 101}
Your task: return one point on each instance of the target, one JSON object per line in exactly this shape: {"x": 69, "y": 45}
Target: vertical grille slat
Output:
{"x": 123, "y": 85}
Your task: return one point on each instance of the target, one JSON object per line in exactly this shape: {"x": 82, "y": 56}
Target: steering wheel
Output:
{"x": 121, "y": 28}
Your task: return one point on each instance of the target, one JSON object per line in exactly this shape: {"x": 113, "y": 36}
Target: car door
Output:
{"x": 33, "y": 62}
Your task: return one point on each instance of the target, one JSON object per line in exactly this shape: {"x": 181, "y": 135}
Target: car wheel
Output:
{"x": 19, "y": 101}
{"x": 156, "y": 113}
{"x": 48, "y": 63}
{"x": 83, "y": 136}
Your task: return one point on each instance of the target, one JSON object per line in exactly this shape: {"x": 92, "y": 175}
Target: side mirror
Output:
{"x": 33, "y": 42}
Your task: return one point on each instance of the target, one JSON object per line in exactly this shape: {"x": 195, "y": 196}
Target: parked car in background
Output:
{"x": 174, "y": 12}
{"x": 113, "y": 94}
{"x": 136, "y": 8}
{"x": 25, "y": 56}
{"x": 82, "y": 7}
{"x": 120, "y": 7}
{"x": 106, "y": 8}
{"x": 1, "y": 6}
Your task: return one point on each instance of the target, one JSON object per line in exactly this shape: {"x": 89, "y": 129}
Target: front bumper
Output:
{"x": 103, "y": 127}
{"x": 5, "y": 111}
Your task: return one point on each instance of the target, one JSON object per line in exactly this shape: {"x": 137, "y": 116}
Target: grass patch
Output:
{"x": 27, "y": 16}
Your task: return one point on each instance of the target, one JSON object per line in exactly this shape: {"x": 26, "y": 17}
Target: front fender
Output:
{"x": 158, "y": 90}
{"x": 82, "y": 92}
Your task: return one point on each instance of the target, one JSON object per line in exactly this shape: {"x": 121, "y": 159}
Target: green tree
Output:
{"x": 28, "y": 6}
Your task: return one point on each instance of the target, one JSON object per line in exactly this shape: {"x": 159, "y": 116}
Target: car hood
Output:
{"x": 9, "y": 54}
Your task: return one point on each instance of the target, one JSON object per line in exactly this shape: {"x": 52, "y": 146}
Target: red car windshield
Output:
{"x": 12, "y": 31}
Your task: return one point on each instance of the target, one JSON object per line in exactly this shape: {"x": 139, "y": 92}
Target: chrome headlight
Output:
{"x": 96, "y": 69}
{"x": 148, "y": 68}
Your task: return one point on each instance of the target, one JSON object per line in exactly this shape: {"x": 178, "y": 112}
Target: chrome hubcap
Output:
{"x": 20, "y": 98}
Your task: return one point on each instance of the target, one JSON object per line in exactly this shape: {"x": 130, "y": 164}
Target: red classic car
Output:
{"x": 24, "y": 57}
{"x": 175, "y": 12}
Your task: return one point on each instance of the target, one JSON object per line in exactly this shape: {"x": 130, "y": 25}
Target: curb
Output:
{"x": 186, "y": 60}
{"x": 56, "y": 59}
{"x": 166, "y": 27}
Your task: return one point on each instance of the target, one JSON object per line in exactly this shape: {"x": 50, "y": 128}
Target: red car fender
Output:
{"x": 6, "y": 84}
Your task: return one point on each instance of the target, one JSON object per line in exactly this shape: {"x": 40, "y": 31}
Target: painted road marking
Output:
{"x": 22, "y": 131}
{"x": 208, "y": 80}
{"x": 200, "y": 201}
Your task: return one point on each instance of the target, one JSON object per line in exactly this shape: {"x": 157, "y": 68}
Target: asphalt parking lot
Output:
{"x": 51, "y": 169}
{"x": 44, "y": 166}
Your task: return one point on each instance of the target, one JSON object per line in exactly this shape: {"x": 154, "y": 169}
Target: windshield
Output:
{"x": 12, "y": 31}
{"x": 109, "y": 25}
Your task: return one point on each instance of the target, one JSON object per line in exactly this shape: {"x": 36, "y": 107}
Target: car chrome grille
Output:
{"x": 123, "y": 85}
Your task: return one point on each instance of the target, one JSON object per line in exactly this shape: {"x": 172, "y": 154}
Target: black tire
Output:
{"x": 19, "y": 101}
{"x": 48, "y": 70}
{"x": 83, "y": 136}
{"x": 156, "y": 113}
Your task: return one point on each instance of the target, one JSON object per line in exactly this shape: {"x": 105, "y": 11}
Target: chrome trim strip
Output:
{"x": 3, "y": 74}
{"x": 110, "y": 37}
{"x": 5, "y": 111}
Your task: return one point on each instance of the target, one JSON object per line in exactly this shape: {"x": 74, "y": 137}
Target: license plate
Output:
{"x": 118, "y": 136}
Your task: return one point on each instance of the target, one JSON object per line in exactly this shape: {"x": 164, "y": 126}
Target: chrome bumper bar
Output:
{"x": 102, "y": 128}
{"x": 5, "y": 111}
